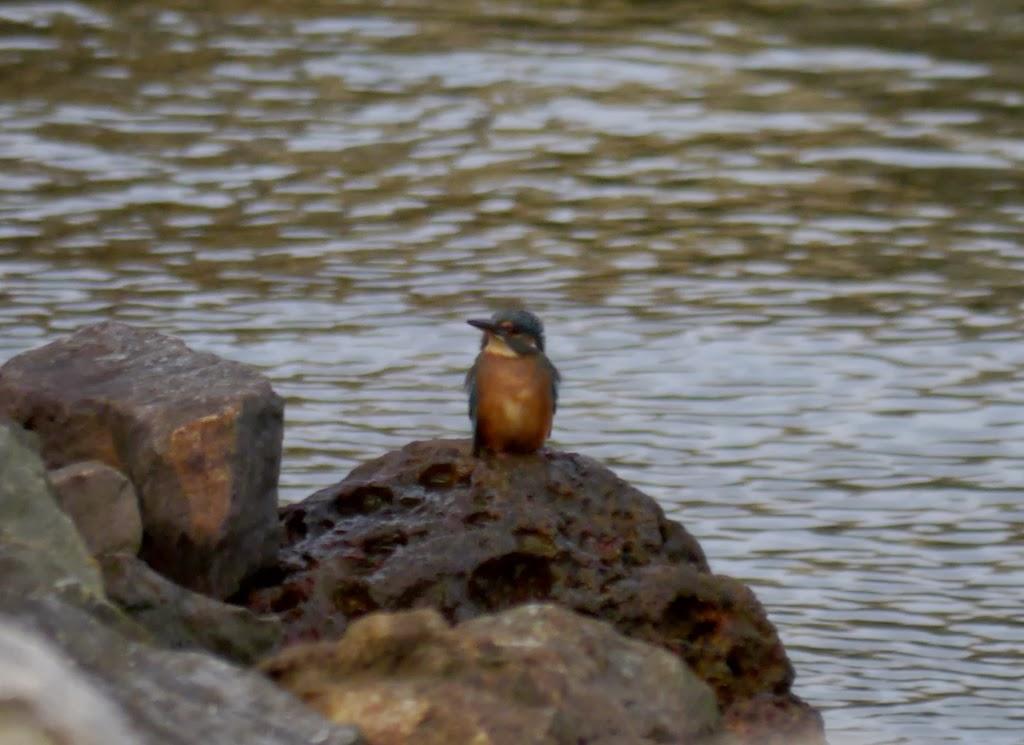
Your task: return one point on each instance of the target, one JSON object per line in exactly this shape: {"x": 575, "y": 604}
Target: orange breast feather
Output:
{"x": 515, "y": 404}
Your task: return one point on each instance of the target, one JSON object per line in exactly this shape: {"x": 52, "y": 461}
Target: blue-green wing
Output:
{"x": 556, "y": 378}
{"x": 470, "y": 386}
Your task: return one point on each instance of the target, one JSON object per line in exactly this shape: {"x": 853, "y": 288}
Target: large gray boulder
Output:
{"x": 173, "y": 697}
{"x": 198, "y": 436}
{"x": 134, "y": 686}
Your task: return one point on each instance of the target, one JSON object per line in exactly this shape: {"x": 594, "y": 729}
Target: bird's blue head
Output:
{"x": 520, "y": 330}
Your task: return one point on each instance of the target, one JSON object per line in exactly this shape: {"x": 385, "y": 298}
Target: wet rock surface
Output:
{"x": 536, "y": 674}
{"x": 51, "y": 587}
{"x": 429, "y": 526}
{"x": 103, "y": 505}
{"x": 198, "y": 436}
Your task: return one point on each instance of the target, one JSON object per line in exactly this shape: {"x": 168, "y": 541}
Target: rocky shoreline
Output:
{"x": 151, "y": 591}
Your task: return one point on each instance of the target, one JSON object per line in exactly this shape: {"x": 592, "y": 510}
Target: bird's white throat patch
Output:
{"x": 496, "y": 345}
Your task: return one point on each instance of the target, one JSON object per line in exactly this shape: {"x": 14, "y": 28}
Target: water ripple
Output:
{"x": 779, "y": 253}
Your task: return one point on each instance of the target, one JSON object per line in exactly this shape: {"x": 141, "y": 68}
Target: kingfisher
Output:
{"x": 512, "y": 385}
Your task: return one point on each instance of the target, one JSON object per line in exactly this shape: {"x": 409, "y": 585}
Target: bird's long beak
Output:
{"x": 484, "y": 325}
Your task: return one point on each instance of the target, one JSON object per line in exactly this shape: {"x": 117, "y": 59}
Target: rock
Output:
{"x": 31, "y": 522}
{"x": 46, "y": 700}
{"x": 181, "y": 619}
{"x": 767, "y": 720}
{"x": 102, "y": 502}
{"x": 50, "y": 584}
{"x": 430, "y": 526}
{"x": 715, "y": 623}
{"x": 173, "y": 697}
{"x": 198, "y": 436}
{"x": 537, "y": 674}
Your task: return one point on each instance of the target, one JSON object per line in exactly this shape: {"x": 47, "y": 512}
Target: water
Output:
{"x": 778, "y": 247}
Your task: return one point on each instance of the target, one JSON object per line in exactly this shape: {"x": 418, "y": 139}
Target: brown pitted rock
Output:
{"x": 431, "y": 526}
{"x": 198, "y": 436}
{"x": 769, "y": 720}
{"x": 103, "y": 504}
{"x": 536, "y": 675}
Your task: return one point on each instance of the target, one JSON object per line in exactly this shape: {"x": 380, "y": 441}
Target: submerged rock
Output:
{"x": 537, "y": 675}
{"x": 102, "y": 502}
{"x": 198, "y": 436}
{"x": 50, "y": 584}
{"x": 429, "y": 526}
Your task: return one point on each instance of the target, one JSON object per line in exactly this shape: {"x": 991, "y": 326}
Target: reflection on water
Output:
{"x": 778, "y": 248}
